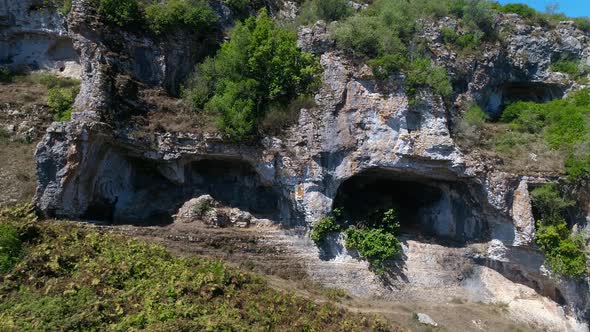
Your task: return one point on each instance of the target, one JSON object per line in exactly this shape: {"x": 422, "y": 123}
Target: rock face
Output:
{"x": 34, "y": 36}
{"x": 362, "y": 139}
{"x": 206, "y": 209}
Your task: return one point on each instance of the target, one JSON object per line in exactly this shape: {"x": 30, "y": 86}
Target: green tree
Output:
{"x": 259, "y": 67}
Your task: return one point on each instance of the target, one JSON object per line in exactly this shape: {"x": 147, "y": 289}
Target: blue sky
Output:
{"x": 573, "y": 8}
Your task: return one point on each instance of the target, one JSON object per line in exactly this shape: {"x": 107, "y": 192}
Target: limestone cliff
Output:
{"x": 362, "y": 136}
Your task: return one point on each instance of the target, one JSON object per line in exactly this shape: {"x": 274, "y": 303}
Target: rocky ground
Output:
{"x": 285, "y": 258}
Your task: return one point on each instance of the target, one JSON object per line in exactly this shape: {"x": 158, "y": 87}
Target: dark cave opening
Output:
{"x": 150, "y": 198}
{"x": 496, "y": 101}
{"x": 427, "y": 207}
{"x": 234, "y": 183}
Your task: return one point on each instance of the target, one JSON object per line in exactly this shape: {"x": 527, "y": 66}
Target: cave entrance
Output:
{"x": 137, "y": 192}
{"x": 234, "y": 183}
{"x": 508, "y": 93}
{"x": 427, "y": 207}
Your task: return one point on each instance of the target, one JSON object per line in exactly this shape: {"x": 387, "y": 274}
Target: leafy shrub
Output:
{"x": 422, "y": 73}
{"x": 10, "y": 247}
{"x": 468, "y": 41}
{"x": 449, "y": 35}
{"x": 373, "y": 236}
{"x": 384, "y": 66}
{"x": 259, "y": 68}
{"x": 324, "y": 226}
{"x": 172, "y": 14}
{"x": 563, "y": 254}
{"x": 122, "y": 13}
{"x": 519, "y": 9}
{"x": 327, "y": 10}
{"x": 574, "y": 68}
{"x": 60, "y": 100}
{"x": 478, "y": 15}
{"x": 5, "y": 75}
{"x": 475, "y": 116}
{"x": 375, "y": 244}
{"x": 582, "y": 23}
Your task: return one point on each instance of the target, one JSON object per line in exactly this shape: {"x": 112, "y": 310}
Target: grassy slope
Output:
{"x": 72, "y": 278}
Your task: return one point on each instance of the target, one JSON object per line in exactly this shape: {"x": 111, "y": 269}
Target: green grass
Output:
{"x": 47, "y": 79}
{"x": 74, "y": 278}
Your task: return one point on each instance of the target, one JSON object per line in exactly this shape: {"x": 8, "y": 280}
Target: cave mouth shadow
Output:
{"x": 496, "y": 101}
{"x": 151, "y": 199}
{"x": 430, "y": 211}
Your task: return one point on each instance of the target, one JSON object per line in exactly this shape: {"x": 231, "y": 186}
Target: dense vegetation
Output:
{"x": 385, "y": 36}
{"x": 256, "y": 74}
{"x": 373, "y": 236}
{"x": 71, "y": 278}
{"x": 160, "y": 17}
{"x": 561, "y": 124}
{"x": 563, "y": 250}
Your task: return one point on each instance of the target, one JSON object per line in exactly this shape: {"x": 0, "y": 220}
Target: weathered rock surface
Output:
{"x": 425, "y": 319}
{"x": 207, "y": 210}
{"x": 34, "y": 36}
{"x": 363, "y": 134}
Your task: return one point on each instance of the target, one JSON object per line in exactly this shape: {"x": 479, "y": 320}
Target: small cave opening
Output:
{"x": 427, "y": 207}
{"x": 499, "y": 98}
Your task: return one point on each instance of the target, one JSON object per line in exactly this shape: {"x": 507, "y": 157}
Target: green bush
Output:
{"x": 173, "y": 14}
{"x": 375, "y": 244}
{"x": 10, "y": 247}
{"x": 449, "y": 35}
{"x": 327, "y": 10}
{"x": 259, "y": 68}
{"x": 373, "y": 236}
{"x": 475, "y": 116}
{"x": 60, "y": 100}
{"x": 582, "y": 23}
{"x": 566, "y": 66}
{"x": 66, "y": 7}
{"x": 5, "y": 75}
{"x": 520, "y": 9}
{"x": 384, "y": 66}
{"x": 122, "y": 13}
{"x": 422, "y": 73}
{"x": 563, "y": 254}
{"x": 382, "y": 35}
{"x": 568, "y": 259}
{"x": 324, "y": 226}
